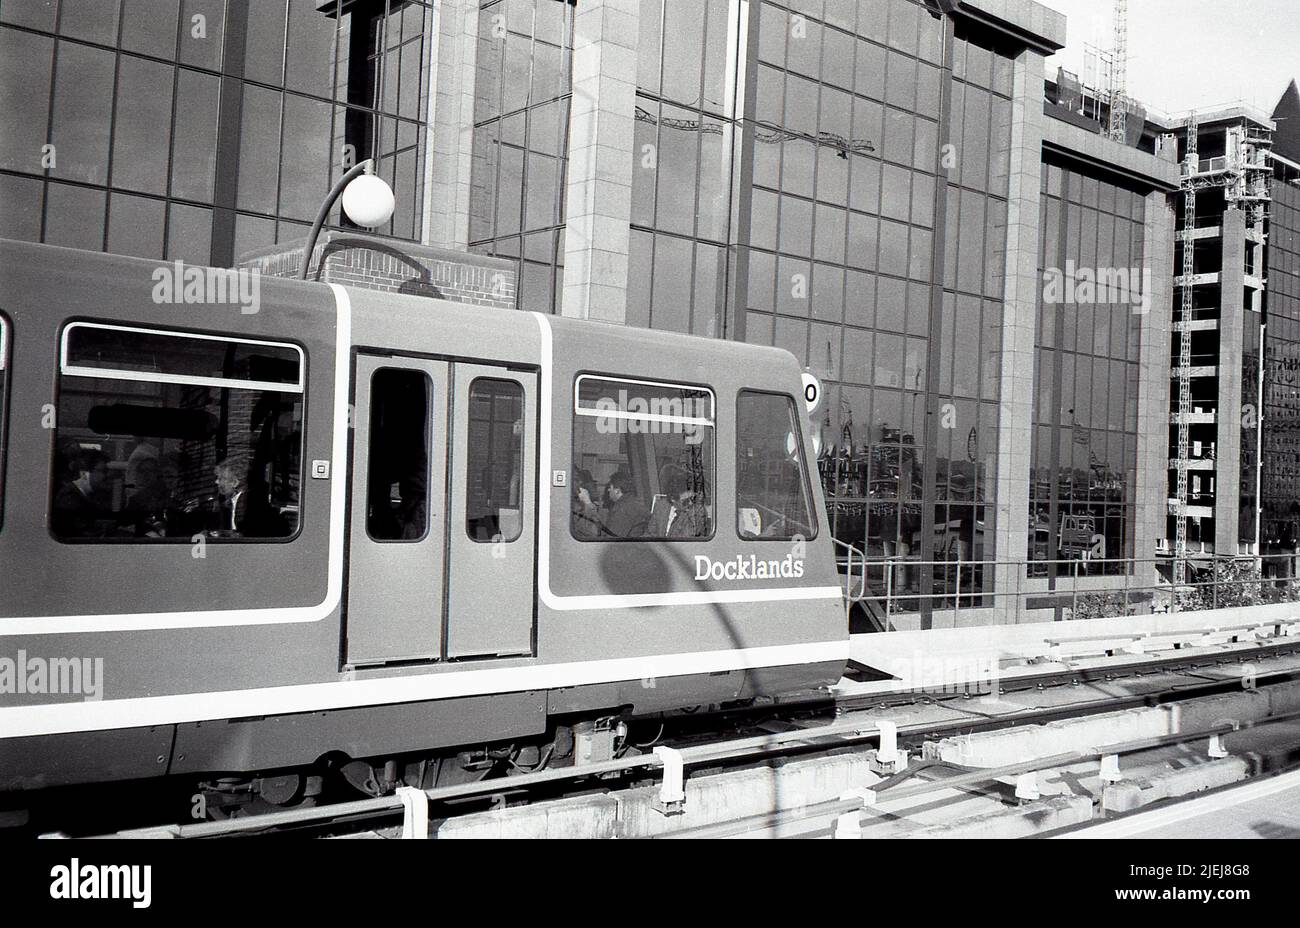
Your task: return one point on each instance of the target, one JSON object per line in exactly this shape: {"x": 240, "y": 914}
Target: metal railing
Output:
{"x": 898, "y": 588}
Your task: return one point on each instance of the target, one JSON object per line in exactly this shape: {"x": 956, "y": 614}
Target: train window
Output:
{"x": 643, "y": 461}
{"x": 4, "y": 376}
{"x": 772, "y": 494}
{"x": 397, "y": 498}
{"x": 494, "y": 464}
{"x": 164, "y": 435}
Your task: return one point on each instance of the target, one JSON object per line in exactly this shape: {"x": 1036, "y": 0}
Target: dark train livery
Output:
{"x": 240, "y": 536}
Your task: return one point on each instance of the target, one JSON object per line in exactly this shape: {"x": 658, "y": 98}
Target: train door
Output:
{"x": 398, "y": 526}
{"x": 492, "y": 542}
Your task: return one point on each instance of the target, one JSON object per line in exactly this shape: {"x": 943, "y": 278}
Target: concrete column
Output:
{"x": 1151, "y": 490}
{"x": 598, "y": 199}
{"x": 1227, "y": 457}
{"x": 1019, "y": 319}
{"x": 453, "y": 62}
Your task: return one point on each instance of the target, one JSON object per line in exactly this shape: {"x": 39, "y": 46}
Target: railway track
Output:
{"x": 791, "y": 729}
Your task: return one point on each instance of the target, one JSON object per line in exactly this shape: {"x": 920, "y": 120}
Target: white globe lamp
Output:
{"x": 368, "y": 201}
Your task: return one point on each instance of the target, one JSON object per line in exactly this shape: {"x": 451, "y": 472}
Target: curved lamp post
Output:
{"x": 367, "y": 201}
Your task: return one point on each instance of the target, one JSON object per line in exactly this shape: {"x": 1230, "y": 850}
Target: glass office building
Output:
{"x": 838, "y": 178}
{"x": 201, "y": 129}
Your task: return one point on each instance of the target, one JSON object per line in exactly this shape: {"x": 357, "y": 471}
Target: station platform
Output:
{"x": 1268, "y": 808}
{"x": 951, "y": 659}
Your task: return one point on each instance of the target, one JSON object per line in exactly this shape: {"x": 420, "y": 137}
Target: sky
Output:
{"x": 1193, "y": 53}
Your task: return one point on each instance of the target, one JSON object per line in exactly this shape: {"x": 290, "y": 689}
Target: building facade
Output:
{"x": 1235, "y": 284}
{"x": 876, "y": 186}
{"x": 202, "y": 129}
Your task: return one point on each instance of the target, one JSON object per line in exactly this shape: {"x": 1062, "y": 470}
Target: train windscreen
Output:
{"x": 772, "y": 492}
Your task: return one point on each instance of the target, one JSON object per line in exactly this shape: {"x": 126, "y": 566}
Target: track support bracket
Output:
{"x": 672, "y": 792}
{"x": 415, "y": 812}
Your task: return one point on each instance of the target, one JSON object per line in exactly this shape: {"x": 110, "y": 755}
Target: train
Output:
{"x": 261, "y": 534}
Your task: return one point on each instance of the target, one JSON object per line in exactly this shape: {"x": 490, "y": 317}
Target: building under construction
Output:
{"x": 1234, "y": 404}
{"x": 1234, "y": 348}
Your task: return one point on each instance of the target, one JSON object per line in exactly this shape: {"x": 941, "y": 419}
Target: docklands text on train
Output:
{"x": 747, "y": 568}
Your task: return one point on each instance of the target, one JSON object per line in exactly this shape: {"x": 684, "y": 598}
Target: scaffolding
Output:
{"x": 1244, "y": 172}
{"x": 1119, "y": 81}
{"x": 1185, "y": 312}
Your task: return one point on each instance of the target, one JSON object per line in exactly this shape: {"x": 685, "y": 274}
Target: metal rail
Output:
{"x": 1084, "y": 587}
{"x": 841, "y": 733}
{"x": 887, "y": 789}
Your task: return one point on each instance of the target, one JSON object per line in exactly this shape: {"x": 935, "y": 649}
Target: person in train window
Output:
{"x": 684, "y": 516}
{"x": 83, "y": 506}
{"x": 152, "y": 505}
{"x": 229, "y": 506}
{"x": 584, "y": 514}
{"x": 627, "y": 516}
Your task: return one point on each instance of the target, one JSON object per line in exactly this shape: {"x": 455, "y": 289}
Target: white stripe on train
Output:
{"x": 136, "y": 712}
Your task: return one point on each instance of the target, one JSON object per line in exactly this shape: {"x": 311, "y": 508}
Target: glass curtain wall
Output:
{"x": 683, "y": 151}
{"x": 1084, "y": 453}
{"x": 522, "y": 90}
{"x": 201, "y": 129}
{"x": 1280, "y": 486}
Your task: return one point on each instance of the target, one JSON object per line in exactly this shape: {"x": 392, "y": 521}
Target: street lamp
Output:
{"x": 367, "y": 201}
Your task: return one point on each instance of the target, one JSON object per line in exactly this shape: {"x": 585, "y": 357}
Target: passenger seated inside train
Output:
{"x": 682, "y": 514}
{"x": 237, "y": 509}
{"x": 229, "y": 509}
{"x": 626, "y": 516}
{"x": 83, "y": 503}
{"x": 151, "y": 508}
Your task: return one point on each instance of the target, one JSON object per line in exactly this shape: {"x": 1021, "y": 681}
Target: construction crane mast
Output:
{"x": 1119, "y": 75}
{"x": 1185, "y": 311}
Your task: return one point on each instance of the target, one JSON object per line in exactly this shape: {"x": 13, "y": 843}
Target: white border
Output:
{"x": 136, "y": 712}
{"x": 70, "y": 624}
{"x": 114, "y": 373}
{"x": 625, "y": 600}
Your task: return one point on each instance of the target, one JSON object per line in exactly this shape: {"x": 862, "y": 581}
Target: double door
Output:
{"x": 442, "y": 537}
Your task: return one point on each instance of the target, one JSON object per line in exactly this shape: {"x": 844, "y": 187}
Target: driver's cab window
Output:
{"x": 161, "y": 436}
{"x": 772, "y": 491}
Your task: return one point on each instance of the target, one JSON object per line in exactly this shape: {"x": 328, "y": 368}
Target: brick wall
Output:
{"x": 395, "y": 267}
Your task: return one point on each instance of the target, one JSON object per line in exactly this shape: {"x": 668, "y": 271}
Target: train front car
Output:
{"x": 687, "y": 551}
{"x": 258, "y": 534}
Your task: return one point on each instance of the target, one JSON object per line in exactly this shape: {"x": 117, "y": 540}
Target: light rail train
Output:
{"x": 387, "y": 536}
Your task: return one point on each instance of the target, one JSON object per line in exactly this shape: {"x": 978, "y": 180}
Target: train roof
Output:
{"x": 30, "y": 263}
